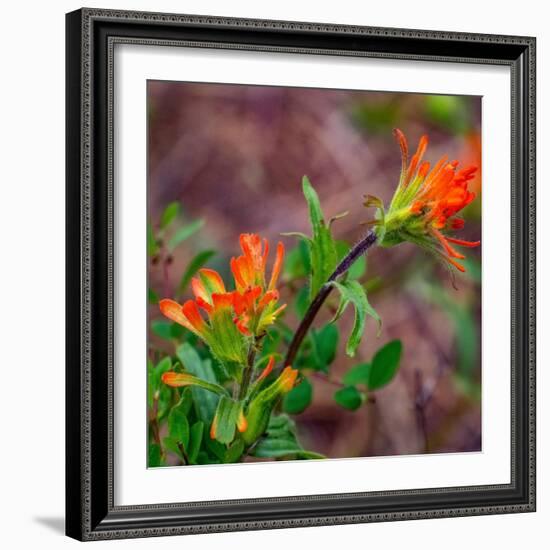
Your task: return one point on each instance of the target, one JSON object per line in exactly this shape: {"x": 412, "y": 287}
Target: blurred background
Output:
{"x": 233, "y": 157}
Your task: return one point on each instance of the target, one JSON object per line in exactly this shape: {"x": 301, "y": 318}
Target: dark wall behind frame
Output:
{"x": 91, "y": 514}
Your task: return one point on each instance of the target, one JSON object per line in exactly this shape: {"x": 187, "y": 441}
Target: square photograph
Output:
{"x": 314, "y": 273}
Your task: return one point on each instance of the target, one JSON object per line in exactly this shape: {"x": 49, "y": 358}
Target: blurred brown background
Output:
{"x": 235, "y": 156}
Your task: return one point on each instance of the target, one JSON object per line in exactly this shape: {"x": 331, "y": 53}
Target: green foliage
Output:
{"x": 194, "y": 265}
{"x": 154, "y": 459}
{"x": 281, "y": 441}
{"x": 178, "y": 426}
{"x": 349, "y": 398}
{"x": 297, "y": 265}
{"x": 175, "y": 447}
{"x": 166, "y": 329}
{"x": 170, "y": 214}
{"x": 158, "y": 394}
{"x": 205, "y": 401}
{"x": 234, "y": 452}
{"x": 152, "y": 243}
{"x": 448, "y": 111}
{"x": 322, "y": 247}
{"x": 195, "y": 440}
{"x": 225, "y": 419}
{"x": 372, "y": 376}
{"x": 359, "y": 374}
{"x": 298, "y": 398}
{"x": 385, "y": 364}
{"x": 352, "y": 292}
{"x": 184, "y": 233}
{"x": 152, "y": 296}
{"x": 301, "y": 302}
{"x": 378, "y": 117}
{"x": 325, "y": 345}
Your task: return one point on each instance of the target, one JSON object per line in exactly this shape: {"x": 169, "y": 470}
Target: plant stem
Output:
{"x": 247, "y": 374}
{"x": 354, "y": 254}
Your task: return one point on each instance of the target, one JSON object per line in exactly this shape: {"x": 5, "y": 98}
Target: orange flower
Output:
{"x": 255, "y": 302}
{"x": 425, "y": 204}
{"x": 220, "y": 332}
{"x": 249, "y": 269}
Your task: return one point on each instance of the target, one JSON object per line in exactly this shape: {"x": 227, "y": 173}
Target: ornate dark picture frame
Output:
{"x": 90, "y": 510}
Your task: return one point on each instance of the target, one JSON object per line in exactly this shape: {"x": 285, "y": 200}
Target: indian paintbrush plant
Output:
{"x": 228, "y": 392}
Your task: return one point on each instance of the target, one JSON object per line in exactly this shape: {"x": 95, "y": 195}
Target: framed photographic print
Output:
{"x": 300, "y": 274}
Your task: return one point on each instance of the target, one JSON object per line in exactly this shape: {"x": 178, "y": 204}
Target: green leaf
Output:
{"x": 276, "y": 448}
{"x": 349, "y": 398}
{"x": 215, "y": 448}
{"x": 160, "y": 391}
{"x": 152, "y": 244}
{"x": 295, "y": 262}
{"x": 353, "y": 292}
{"x": 301, "y": 302}
{"x": 205, "y": 401}
{"x": 234, "y": 452}
{"x": 164, "y": 365}
{"x": 325, "y": 343}
{"x": 281, "y": 441}
{"x": 154, "y": 459}
{"x": 162, "y": 328}
{"x": 186, "y": 401}
{"x": 323, "y": 255}
{"x": 184, "y": 233}
{"x": 194, "y": 265}
{"x": 225, "y": 420}
{"x": 178, "y": 427}
{"x": 170, "y": 214}
{"x": 298, "y": 398}
{"x": 152, "y": 296}
{"x": 358, "y": 375}
{"x": 195, "y": 440}
{"x": 280, "y": 438}
{"x": 174, "y": 446}
{"x": 184, "y": 379}
{"x": 385, "y": 364}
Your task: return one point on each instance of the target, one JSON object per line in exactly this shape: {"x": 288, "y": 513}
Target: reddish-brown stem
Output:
{"x": 354, "y": 254}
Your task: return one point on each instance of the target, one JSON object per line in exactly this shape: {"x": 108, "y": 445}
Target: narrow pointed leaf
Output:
{"x": 195, "y": 440}
{"x": 194, "y": 265}
{"x": 323, "y": 255}
{"x": 170, "y": 214}
{"x": 184, "y": 233}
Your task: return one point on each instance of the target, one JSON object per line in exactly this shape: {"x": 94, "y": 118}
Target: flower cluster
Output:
{"x": 232, "y": 323}
{"x": 425, "y": 204}
{"x": 232, "y": 316}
